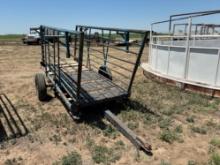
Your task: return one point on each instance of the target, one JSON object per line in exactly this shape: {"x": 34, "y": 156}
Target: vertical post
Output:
{"x": 48, "y": 52}
{"x": 54, "y": 54}
{"x": 42, "y": 45}
{"x": 75, "y": 44}
{"x": 217, "y": 71}
{"x": 49, "y": 55}
{"x": 174, "y": 28}
{"x": 103, "y": 47}
{"x": 67, "y": 45}
{"x": 45, "y": 50}
{"x": 188, "y": 48}
{"x": 80, "y": 62}
{"x": 127, "y": 38}
{"x": 170, "y": 24}
{"x": 88, "y": 49}
{"x": 196, "y": 29}
{"x": 107, "y": 49}
{"x": 150, "y": 44}
{"x": 58, "y": 56}
{"x": 137, "y": 63}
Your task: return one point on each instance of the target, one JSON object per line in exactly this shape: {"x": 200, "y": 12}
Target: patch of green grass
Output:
{"x": 179, "y": 129}
{"x": 102, "y": 154}
{"x": 165, "y": 123}
{"x": 192, "y": 162}
{"x": 119, "y": 145}
{"x": 190, "y": 119}
{"x": 200, "y": 130}
{"x": 164, "y": 163}
{"x": 90, "y": 143}
{"x": 215, "y": 159}
{"x": 56, "y": 138}
{"x": 133, "y": 125}
{"x": 72, "y": 158}
{"x": 197, "y": 99}
{"x": 210, "y": 123}
{"x": 130, "y": 115}
{"x": 10, "y": 162}
{"x": 11, "y": 37}
{"x": 168, "y": 136}
{"x": 170, "y": 111}
{"x": 150, "y": 119}
{"x": 14, "y": 161}
{"x": 215, "y": 142}
{"x": 111, "y": 132}
{"x": 212, "y": 149}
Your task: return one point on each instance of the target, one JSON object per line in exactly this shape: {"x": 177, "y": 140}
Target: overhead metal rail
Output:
{"x": 191, "y": 14}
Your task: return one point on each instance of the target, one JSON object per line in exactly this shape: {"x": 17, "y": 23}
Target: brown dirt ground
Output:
{"x": 53, "y": 134}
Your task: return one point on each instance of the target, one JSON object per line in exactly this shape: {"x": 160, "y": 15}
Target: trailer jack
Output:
{"x": 128, "y": 133}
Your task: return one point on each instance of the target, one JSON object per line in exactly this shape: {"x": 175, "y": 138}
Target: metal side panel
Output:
{"x": 203, "y": 65}
{"x": 154, "y": 57}
{"x": 162, "y": 59}
{"x": 218, "y": 73}
{"x": 177, "y": 62}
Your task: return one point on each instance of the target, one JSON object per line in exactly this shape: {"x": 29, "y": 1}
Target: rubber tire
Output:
{"x": 41, "y": 86}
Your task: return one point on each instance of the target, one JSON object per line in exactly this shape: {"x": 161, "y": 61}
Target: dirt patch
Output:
{"x": 179, "y": 125}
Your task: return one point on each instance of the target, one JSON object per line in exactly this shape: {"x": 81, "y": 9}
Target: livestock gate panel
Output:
{"x": 186, "y": 49}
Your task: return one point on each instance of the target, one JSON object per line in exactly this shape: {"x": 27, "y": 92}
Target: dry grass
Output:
{"x": 171, "y": 120}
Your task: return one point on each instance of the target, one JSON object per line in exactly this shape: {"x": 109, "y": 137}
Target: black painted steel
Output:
{"x": 80, "y": 84}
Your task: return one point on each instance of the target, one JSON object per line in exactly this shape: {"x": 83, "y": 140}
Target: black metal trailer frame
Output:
{"x": 89, "y": 66}
{"x": 90, "y": 81}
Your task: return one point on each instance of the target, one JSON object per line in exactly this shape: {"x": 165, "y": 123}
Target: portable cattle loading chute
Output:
{"x": 185, "y": 51}
{"x": 86, "y": 67}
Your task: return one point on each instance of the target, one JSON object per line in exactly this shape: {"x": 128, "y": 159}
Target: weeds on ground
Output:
{"x": 164, "y": 163}
{"x": 190, "y": 119}
{"x": 165, "y": 123}
{"x": 168, "y": 136}
{"x": 171, "y": 135}
{"x": 212, "y": 125}
{"x": 133, "y": 125}
{"x": 179, "y": 129}
{"x": 215, "y": 159}
{"x": 215, "y": 142}
{"x": 72, "y": 158}
{"x": 56, "y": 139}
{"x": 192, "y": 162}
{"x": 103, "y": 154}
{"x": 200, "y": 130}
{"x": 14, "y": 161}
{"x": 110, "y": 132}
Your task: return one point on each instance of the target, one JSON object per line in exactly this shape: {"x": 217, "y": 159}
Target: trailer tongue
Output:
{"x": 138, "y": 143}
